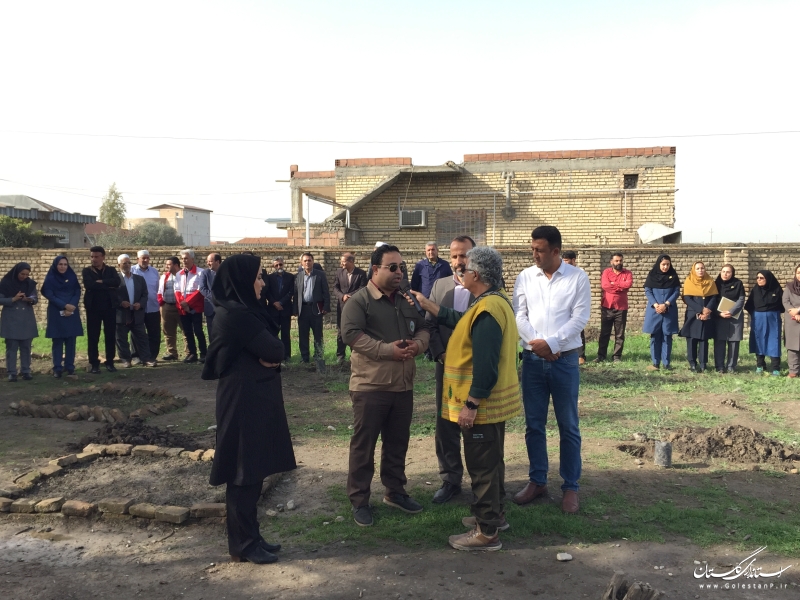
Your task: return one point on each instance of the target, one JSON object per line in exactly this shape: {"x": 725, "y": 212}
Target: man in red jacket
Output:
{"x": 614, "y": 283}
{"x": 190, "y": 302}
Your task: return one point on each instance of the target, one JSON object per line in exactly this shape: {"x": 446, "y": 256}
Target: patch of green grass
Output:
{"x": 705, "y": 514}
{"x": 785, "y": 436}
{"x": 695, "y": 414}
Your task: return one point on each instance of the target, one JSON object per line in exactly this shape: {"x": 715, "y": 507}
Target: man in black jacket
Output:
{"x": 278, "y": 292}
{"x": 312, "y": 299}
{"x": 349, "y": 279}
{"x": 101, "y": 283}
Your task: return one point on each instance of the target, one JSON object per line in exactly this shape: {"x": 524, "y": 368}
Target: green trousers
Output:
{"x": 483, "y": 455}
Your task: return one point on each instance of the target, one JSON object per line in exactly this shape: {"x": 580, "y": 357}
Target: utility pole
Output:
{"x": 711, "y": 236}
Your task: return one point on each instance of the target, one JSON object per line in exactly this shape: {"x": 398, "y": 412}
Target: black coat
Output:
{"x": 692, "y": 326}
{"x": 139, "y": 295}
{"x": 279, "y": 288}
{"x": 342, "y": 287}
{"x": 100, "y": 288}
{"x": 253, "y": 439}
{"x": 322, "y": 296}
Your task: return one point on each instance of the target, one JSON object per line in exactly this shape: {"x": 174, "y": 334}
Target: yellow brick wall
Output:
{"x": 582, "y": 217}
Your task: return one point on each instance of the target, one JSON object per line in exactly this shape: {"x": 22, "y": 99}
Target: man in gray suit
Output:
{"x": 312, "y": 299}
{"x": 130, "y": 315}
{"x": 448, "y": 292}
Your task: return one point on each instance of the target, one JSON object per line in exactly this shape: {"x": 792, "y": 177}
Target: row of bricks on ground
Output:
{"x": 112, "y": 506}
{"x": 57, "y": 466}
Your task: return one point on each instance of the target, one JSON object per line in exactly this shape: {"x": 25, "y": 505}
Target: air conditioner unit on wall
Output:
{"x": 412, "y": 218}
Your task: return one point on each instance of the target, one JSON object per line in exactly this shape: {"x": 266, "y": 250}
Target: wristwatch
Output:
{"x": 471, "y": 405}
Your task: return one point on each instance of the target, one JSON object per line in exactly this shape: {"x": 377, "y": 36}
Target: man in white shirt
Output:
{"x": 152, "y": 314}
{"x": 552, "y": 304}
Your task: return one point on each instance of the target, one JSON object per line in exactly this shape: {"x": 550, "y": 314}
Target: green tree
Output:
{"x": 16, "y": 233}
{"x": 154, "y": 233}
{"x": 112, "y": 210}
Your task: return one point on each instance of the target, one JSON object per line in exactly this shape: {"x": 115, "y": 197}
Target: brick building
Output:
{"x": 60, "y": 229}
{"x": 595, "y": 197}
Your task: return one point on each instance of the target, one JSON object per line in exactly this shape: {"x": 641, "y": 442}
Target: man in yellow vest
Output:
{"x": 481, "y": 390}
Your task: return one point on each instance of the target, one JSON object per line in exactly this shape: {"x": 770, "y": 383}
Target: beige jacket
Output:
{"x": 370, "y": 323}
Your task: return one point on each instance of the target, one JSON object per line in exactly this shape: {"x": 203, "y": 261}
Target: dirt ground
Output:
{"x": 132, "y": 558}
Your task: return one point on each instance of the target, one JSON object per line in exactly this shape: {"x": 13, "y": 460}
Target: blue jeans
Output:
{"x": 64, "y": 347}
{"x": 561, "y": 380}
{"x": 660, "y": 348}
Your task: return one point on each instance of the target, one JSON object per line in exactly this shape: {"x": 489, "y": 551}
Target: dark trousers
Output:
{"x": 697, "y": 352}
{"x": 720, "y": 346}
{"x": 774, "y": 362}
{"x": 447, "y": 440}
{"x": 340, "y": 345}
{"x": 192, "y": 326}
{"x": 241, "y": 503}
{"x": 209, "y": 323}
{"x": 310, "y": 320}
{"x": 384, "y": 414}
{"x": 283, "y": 319}
{"x": 139, "y": 336}
{"x": 583, "y": 345}
{"x": 610, "y": 317}
{"x": 152, "y": 325}
{"x": 483, "y": 453}
{"x": 64, "y": 354}
{"x": 108, "y": 320}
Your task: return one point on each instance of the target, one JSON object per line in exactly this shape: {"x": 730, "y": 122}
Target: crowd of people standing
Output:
{"x": 456, "y": 312}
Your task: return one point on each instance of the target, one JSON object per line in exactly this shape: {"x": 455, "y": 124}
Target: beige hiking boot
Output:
{"x": 475, "y": 540}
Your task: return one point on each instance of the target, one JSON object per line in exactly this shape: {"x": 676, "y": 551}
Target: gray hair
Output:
{"x": 142, "y": 253}
{"x": 187, "y": 251}
{"x": 122, "y": 257}
{"x": 278, "y": 258}
{"x": 487, "y": 263}
{"x": 434, "y": 244}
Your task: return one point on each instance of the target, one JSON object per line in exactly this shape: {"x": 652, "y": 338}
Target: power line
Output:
{"x": 64, "y": 187}
{"x": 277, "y": 141}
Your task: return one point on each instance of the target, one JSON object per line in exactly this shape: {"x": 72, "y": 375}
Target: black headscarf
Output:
{"x": 57, "y": 282}
{"x": 239, "y": 315}
{"x": 10, "y": 285}
{"x": 657, "y": 279}
{"x": 733, "y": 289}
{"x": 767, "y": 298}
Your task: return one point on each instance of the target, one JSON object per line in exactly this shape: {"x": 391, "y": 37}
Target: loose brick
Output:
{"x": 143, "y": 450}
{"x": 172, "y": 514}
{"x": 23, "y": 505}
{"x": 50, "y": 505}
{"x": 5, "y": 504}
{"x": 119, "y": 449}
{"x": 196, "y": 455}
{"x": 205, "y": 510}
{"x": 50, "y": 471}
{"x": 28, "y": 479}
{"x": 143, "y": 510}
{"x": 77, "y": 508}
{"x": 115, "y": 506}
{"x": 174, "y": 452}
{"x": 85, "y": 457}
{"x": 208, "y": 455}
{"x": 10, "y": 490}
{"x": 69, "y": 459}
{"x": 99, "y": 448}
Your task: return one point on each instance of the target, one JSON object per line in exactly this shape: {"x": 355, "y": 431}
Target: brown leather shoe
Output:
{"x": 530, "y": 492}
{"x": 570, "y": 504}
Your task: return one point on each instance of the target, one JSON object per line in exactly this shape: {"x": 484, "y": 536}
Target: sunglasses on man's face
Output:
{"x": 392, "y": 267}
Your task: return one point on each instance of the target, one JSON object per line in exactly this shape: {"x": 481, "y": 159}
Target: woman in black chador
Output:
{"x": 253, "y": 438}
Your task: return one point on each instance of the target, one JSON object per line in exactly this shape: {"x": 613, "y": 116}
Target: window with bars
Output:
{"x": 452, "y": 223}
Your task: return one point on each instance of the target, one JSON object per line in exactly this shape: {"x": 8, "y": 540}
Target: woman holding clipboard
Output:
{"x": 729, "y": 320}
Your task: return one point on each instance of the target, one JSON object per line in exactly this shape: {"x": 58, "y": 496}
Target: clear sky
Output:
{"x": 483, "y": 74}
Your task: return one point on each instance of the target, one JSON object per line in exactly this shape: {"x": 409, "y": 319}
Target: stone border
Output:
{"x": 11, "y": 500}
{"x": 99, "y": 414}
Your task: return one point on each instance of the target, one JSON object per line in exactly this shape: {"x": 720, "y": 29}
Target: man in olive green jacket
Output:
{"x": 384, "y": 333}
